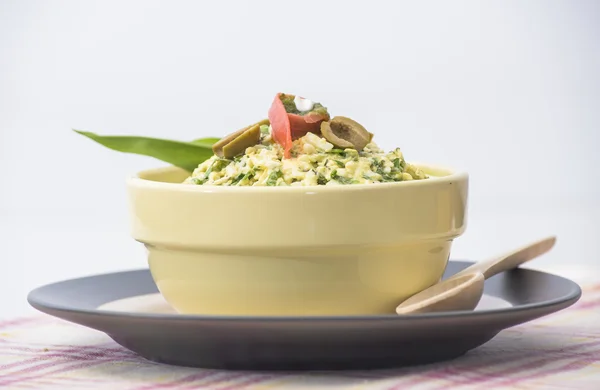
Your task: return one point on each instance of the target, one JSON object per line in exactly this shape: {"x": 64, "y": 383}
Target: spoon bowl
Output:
{"x": 464, "y": 290}
{"x": 461, "y": 293}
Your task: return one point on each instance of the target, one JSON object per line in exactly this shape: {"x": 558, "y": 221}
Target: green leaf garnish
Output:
{"x": 209, "y": 141}
{"x": 185, "y": 155}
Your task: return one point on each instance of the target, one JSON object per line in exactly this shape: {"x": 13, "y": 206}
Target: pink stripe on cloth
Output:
{"x": 517, "y": 360}
{"x": 59, "y": 370}
{"x": 63, "y": 355}
{"x": 64, "y": 359}
{"x": 185, "y": 380}
{"x": 219, "y": 380}
{"x": 588, "y": 305}
{"x": 563, "y": 368}
{"x": 57, "y": 360}
{"x": 516, "y": 364}
{"x": 515, "y": 374}
{"x": 73, "y": 353}
{"x": 36, "y": 347}
{"x": 23, "y": 321}
{"x": 256, "y": 379}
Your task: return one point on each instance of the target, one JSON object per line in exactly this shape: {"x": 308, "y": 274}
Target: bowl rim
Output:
{"x": 453, "y": 175}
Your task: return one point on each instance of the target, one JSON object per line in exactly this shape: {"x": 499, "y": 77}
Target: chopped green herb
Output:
{"x": 352, "y": 153}
{"x": 272, "y": 180}
{"x": 264, "y": 129}
{"x": 318, "y": 108}
{"x": 288, "y": 103}
{"x": 220, "y": 164}
{"x": 241, "y": 177}
{"x": 340, "y": 163}
{"x": 290, "y": 106}
{"x": 238, "y": 179}
{"x": 379, "y": 167}
{"x": 397, "y": 163}
{"x": 209, "y": 170}
{"x": 341, "y": 179}
{"x": 216, "y": 166}
{"x": 387, "y": 178}
{"x": 322, "y": 180}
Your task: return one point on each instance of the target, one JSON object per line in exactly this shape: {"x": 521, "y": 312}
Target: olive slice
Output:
{"x": 345, "y": 133}
{"x": 236, "y": 143}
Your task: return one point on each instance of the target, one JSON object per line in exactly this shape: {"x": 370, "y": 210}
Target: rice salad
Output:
{"x": 314, "y": 161}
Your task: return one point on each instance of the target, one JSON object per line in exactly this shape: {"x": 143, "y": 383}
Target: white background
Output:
{"x": 508, "y": 90}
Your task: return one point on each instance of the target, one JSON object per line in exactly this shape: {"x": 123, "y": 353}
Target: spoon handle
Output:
{"x": 510, "y": 260}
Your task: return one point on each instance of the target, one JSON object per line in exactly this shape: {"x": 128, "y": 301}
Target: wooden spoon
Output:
{"x": 464, "y": 290}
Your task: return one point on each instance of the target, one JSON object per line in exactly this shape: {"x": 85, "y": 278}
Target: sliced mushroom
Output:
{"x": 345, "y": 133}
{"x": 236, "y": 143}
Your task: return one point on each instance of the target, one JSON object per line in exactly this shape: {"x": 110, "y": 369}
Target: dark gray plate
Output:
{"x": 288, "y": 343}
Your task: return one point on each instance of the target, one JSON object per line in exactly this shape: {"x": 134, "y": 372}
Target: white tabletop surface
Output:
{"x": 39, "y": 249}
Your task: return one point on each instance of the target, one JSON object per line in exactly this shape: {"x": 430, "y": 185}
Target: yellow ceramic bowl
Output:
{"x": 296, "y": 251}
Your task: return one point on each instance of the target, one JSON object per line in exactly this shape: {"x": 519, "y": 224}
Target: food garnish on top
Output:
{"x": 298, "y": 144}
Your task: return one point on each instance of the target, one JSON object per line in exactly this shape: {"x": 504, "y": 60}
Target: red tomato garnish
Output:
{"x": 280, "y": 125}
{"x": 288, "y": 127}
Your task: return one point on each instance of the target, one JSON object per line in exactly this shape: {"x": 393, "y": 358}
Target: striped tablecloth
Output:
{"x": 561, "y": 351}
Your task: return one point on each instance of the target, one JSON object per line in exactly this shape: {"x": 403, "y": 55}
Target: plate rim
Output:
{"x": 39, "y": 304}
